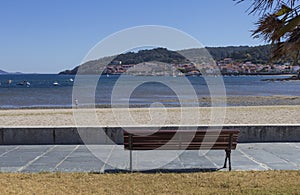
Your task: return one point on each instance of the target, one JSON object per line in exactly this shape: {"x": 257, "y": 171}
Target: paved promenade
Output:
{"x": 75, "y": 158}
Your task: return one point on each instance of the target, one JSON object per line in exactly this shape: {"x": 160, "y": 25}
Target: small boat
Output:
{"x": 24, "y": 83}
{"x": 55, "y": 83}
{"x": 71, "y": 80}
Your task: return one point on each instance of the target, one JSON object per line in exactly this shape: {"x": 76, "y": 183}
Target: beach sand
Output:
{"x": 155, "y": 116}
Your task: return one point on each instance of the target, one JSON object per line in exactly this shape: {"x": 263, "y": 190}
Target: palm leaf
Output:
{"x": 290, "y": 26}
{"x": 284, "y": 10}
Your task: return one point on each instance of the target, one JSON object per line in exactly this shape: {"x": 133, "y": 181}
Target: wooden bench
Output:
{"x": 225, "y": 139}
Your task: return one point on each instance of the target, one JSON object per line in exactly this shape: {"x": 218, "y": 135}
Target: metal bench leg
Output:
{"x": 130, "y": 165}
{"x": 228, "y": 152}
{"x": 228, "y": 157}
{"x": 130, "y": 154}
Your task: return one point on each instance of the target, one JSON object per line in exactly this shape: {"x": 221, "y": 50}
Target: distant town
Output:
{"x": 227, "y": 66}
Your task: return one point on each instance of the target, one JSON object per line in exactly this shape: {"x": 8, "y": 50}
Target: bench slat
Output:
{"x": 195, "y": 139}
{"x": 179, "y": 143}
{"x": 203, "y": 147}
{"x": 223, "y": 131}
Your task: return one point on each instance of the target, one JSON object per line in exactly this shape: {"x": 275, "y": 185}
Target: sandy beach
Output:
{"x": 246, "y": 110}
{"x": 155, "y": 116}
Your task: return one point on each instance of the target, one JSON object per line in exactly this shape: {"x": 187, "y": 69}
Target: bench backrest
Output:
{"x": 181, "y": 139}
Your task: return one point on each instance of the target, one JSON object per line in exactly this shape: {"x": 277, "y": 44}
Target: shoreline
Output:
{"x": 205, "y": 101}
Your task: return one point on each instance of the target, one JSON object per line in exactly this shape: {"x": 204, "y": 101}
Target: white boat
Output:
{"x": 55, "y": 83}
{"x": 71, "y": 80}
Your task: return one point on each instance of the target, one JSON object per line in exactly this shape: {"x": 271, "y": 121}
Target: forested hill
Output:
{"x": 3, "y": 72}
{"x": 255, "y": 54}
{"x": 157, "y": 54}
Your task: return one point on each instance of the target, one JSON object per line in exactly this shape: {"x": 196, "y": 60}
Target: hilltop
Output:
{"x": 255, "y": 54}
{"x": 3, "y": 72}
{"x": 157, "y": 54}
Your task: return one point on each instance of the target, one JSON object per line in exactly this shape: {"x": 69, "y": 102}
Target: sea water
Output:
{"x": 52, "y": 90}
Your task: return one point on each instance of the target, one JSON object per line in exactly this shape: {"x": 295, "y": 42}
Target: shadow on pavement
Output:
{"x": 191, "y": 170}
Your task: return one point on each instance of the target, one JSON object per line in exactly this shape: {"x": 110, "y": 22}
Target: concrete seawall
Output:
{"x": 109, "y": 135}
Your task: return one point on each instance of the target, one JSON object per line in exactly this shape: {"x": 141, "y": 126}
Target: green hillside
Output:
{"x": 256, "y": 54}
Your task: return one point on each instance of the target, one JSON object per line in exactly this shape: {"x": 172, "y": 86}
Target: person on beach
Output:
{"x": 76, "y": 103}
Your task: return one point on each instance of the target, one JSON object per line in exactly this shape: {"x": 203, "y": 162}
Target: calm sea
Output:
{"x": 49, "y": 90}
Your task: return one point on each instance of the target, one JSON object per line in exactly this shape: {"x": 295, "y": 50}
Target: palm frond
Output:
{"x": 279, "y": 25}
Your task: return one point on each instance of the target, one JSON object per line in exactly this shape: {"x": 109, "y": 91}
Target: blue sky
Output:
{"x": 47, "y": 36}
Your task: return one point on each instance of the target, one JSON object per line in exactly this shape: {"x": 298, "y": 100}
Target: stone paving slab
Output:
{"x": 78, "y": 158}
